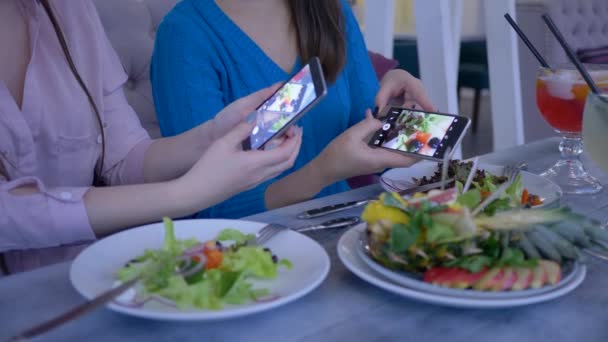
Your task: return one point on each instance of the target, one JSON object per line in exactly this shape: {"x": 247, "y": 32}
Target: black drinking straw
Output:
{"x": 526, "y": 41}
{"x": 560, "y": 38}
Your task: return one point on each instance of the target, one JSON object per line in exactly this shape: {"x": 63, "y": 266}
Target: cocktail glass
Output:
{"x": 561, "y": 96}
{"x": 595, "y": 129}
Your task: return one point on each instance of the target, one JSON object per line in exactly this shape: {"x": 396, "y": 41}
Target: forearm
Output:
{"x": 170, "y": 158}
{"x": 299, "y": 186}
{"x": 111, "y": 209}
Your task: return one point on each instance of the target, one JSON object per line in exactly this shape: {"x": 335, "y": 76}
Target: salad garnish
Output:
{"x": 437, "y": 237}
{"x": 202, "y": 275}
{"x": 483, "y": 184}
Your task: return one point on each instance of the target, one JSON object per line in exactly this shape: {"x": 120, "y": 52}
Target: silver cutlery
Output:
{"x": 334, "y": 208}
{"x": 342, "y": 222}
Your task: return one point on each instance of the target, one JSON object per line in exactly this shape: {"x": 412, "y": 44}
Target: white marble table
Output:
{"x": 343, "y": 308}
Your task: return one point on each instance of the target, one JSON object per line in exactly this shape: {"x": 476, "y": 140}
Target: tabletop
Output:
{"x": 343, "y": 307}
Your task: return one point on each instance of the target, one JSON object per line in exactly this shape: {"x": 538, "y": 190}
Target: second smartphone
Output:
{"x": 300, "y": 93}
{"x": 424, "y": 134}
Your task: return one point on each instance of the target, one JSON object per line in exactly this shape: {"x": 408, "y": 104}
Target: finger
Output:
{"x": 365, "y": 127}
{"x": 385, "y": 94}
{"x": 278, "y": 154}
{"x": 411, "y": 104}
{"x": 418, "y": 95}
{"x": 387, "y": 159}
{"x": 280, "y": 168}
{"x": 252, "y": 101}
{"x": 235, "y": 137}
{"x": 291, "y": 131}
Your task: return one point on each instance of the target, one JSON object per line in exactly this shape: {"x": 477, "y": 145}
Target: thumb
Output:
{"x": 383, "y": 96}
{"x": 367, "y": 126}
{"x": 236, "y": 136}
{"x": 254, "y": 100}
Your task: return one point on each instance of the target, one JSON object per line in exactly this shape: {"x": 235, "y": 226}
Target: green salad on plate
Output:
{"x": 202, "y": 275}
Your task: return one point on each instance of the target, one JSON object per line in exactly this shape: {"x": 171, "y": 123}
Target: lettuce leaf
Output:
{"x": 252, "y": 260}
{"x": 234, "y": 235}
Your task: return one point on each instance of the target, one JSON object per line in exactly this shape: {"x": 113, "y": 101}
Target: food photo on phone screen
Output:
{"x": 282, "y": 107}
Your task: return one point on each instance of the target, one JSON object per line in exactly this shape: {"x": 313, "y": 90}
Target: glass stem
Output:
{"x": 571, "y": 148}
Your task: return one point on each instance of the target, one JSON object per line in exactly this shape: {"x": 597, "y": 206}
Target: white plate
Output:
{"x": 396, "y": 179}
{"x": 93, "y": 270}
{"x": 413, "y": 281}
{"x": 348, "y": 252}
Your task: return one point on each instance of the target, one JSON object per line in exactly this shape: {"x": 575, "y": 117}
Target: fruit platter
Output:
{"x": 442, "y": 239}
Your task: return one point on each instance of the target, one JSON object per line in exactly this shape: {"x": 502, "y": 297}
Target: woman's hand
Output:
{"x": 401, "y": 88}
{"x": 170, "y": 158}
{"x": 225, "y": 169}
{"x": 237, "y": 111}
{"x": 350, "y": 155}
{"x": 346, "y": 156}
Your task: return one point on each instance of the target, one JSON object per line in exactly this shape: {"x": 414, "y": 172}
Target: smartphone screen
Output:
{"x": 287, "y": 105}
{"x": 425, "y": 134}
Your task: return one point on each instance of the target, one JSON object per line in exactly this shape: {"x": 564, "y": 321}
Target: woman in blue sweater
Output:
{"x": 209, "y": 53}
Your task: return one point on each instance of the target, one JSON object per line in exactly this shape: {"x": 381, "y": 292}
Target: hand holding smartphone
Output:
{"x": 289, "y": 103}
{"x": 420, "y": 133}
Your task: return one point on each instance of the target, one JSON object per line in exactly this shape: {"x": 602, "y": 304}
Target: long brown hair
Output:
{"x": 83, "y": 86}
{"x": 321, "y": 32}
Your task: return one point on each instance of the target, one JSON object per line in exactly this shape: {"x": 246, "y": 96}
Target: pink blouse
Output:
{"x": 54, "y": 140}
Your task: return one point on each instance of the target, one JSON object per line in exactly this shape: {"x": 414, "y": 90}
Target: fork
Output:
{"x": 266, "y": 233}
{"x": 511, "y": 172}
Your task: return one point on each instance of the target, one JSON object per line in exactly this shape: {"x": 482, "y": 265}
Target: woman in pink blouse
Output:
{"x": 53, "y": 143}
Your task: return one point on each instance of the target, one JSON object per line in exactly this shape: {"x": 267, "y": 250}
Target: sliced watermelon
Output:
{"x": 466, "y": 279}
{"x": 447, "y": 278}
{"x": 496, "y": 279}
{"x": 508, "y": 279}
{"x": 539, "y": 277}
{"x": 488, "y": 280}
{"x": 552, "y": 270}
{"x": 431, "y": 275}
{"x": 452, "y": 277}
{"x": 524, "y": 279}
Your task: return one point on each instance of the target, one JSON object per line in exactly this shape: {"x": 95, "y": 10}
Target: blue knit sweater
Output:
{"x": 203, "y": 61}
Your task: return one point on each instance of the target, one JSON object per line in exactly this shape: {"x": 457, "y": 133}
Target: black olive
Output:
{"x": 434, "y": 142}
{"x": 275, "y": 259}
{"x": 266, "y": 249}
{"x": 218, "y": 244}
{"x": 414, "y": 146}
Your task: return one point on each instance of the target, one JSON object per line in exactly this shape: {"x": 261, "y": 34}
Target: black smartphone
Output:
{"x": 424, "y": 134}
{"x": 281, "y": 110}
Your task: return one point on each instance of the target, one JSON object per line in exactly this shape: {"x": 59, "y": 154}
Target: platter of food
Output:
{"x": 454, "y": 248}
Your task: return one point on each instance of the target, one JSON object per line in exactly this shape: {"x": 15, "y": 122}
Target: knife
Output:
{"x": 334, "y": 208}
{"x": 336, "y": 223}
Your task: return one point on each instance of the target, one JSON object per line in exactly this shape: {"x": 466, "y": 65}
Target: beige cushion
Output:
{"x": 584, "y": 24}
{"x": 131, "y": 27}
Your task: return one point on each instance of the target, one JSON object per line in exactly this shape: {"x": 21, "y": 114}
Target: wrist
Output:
{"x": 204, "y": 136}
{"x": 321, "y": 173}
{"x": 182, "y": 201}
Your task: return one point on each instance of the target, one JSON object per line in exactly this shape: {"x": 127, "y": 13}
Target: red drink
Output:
{"x": 561, "y": 97}
{"x": 563, "y": 114}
